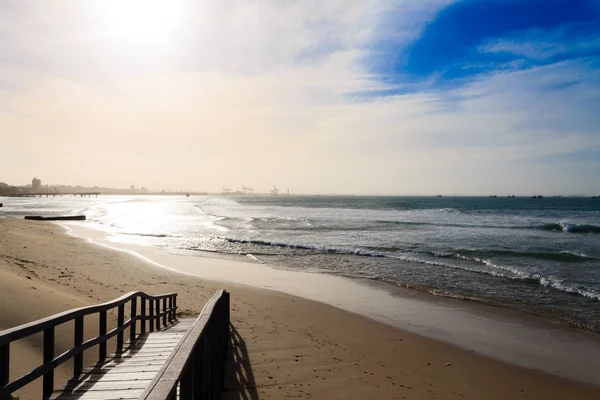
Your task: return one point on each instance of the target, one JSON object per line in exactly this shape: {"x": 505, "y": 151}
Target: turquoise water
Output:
{"x": 538, "y": 255}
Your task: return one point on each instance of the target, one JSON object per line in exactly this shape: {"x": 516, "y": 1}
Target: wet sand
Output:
{"x": 289, "y": 347}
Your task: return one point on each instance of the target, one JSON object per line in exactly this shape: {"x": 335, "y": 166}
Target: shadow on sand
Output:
{"x": 239, "y": 378}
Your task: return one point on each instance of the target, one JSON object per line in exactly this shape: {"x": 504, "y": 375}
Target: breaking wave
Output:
{"x": 547, "y": 281}
{"x": 557, "y": 227}
{"x": 471, "y": 263}
{"x": 563, "y": 256}
{"x": 321, "y": 249}
{"x": 571, "y": 228}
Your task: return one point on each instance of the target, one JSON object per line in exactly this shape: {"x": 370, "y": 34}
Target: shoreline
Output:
{"x": 509, "y": 335}
{"x": 295, "y": 347}
{"x": 542, "y": 282}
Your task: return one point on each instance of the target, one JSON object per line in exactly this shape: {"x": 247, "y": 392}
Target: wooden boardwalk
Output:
{"x": 128, "y": 375}
{"x": 165, "y": 359}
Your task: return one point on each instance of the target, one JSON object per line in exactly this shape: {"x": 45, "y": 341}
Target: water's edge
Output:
{"x": 504, "y": 334}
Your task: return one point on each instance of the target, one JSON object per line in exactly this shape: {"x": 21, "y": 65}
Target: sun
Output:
{"x": 140, "y": 22}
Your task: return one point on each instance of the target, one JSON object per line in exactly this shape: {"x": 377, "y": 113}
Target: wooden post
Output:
{"x": 225, "y": 334}
{"x": 216, "y": 355}
{"x": 203, "y": 375}
{"x": 207, "y": 370}
{"x": 133, "y": 321}
{"x": 170, "y": 315}
{"x": 174, "y": 306}
{"x": 143, "y": 314}
{"x": 102, "y": 332}
{"x": 151, "y": 315}
{"x": 120, "y": 321}
{"x": 157, "y": 317}
{"x": 198, "y": 373}
{"x": 78, "y": 361}
{"x": 164, "y": 318}
{"x": 48, "y": 380}
{"x": 186, "y": 384}
{"x": 4, "y": 364}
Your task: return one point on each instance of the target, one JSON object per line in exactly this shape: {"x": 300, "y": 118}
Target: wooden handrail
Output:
{"x": 48, "y": 325}
{"x": 197, "y": 363}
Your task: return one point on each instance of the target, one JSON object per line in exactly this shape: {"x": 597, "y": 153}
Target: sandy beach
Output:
{"x": 290, "y": 347}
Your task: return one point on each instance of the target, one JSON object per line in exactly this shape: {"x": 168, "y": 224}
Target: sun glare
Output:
{"x": 140, "y": 22}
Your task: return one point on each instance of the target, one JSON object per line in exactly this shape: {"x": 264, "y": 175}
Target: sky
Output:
{"x": 357, "y": 97}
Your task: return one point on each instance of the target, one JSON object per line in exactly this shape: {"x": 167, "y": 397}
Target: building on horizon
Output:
{"x": 36, "y": 185}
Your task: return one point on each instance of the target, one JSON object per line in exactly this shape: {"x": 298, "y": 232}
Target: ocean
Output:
{"x": 537, "y": 255}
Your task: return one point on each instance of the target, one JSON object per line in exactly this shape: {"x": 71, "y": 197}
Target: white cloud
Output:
{"x": 541, "y": 45}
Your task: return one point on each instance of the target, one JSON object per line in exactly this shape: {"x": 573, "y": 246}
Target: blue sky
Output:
{"x": 356, "y": 96}
{"x": 469, "y": 38}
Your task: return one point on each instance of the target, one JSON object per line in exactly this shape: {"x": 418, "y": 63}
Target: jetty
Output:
{"x": 52, "y": 194}
{"x": 164, "y": 358}
{"x": 61, "y": 218}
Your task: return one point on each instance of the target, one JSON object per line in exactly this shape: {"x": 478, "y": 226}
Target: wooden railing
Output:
{"x": 149, "y": 310}
{"x": 196, "y": 366}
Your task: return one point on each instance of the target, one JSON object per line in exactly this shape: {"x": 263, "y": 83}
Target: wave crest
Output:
{"x": 571, "y": 228}
{"x": 156, "y": 235}
{"x": 563, "y": 256}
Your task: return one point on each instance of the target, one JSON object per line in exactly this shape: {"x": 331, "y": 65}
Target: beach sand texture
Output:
{"x": 288, "y": 347}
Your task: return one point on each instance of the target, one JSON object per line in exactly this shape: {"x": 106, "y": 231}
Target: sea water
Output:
{"x": 536, "y": 255}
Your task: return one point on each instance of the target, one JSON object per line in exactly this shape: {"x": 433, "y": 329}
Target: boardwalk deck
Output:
{"x": 128, "y": 375}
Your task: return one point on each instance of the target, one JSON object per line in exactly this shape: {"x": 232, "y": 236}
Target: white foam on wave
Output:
{"x": 582, "y": 255}
{"x": 547, "y": 281}
{"x": 214, "y": 224}
{"x": 252, "y": 257}
{"x": 561, "y": 285}
{"x": 456, "y": 266}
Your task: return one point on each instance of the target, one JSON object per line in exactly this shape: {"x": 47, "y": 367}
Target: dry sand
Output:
{"x": 288, "y": 347}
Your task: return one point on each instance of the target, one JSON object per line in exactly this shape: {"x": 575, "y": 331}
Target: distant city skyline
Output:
{"x": 348, "y": 97}
{"x": 133, "y": 189}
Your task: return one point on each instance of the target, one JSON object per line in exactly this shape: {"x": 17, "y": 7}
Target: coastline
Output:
{"x": 508, "y": 335}
{"x": 326, "y": 353}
